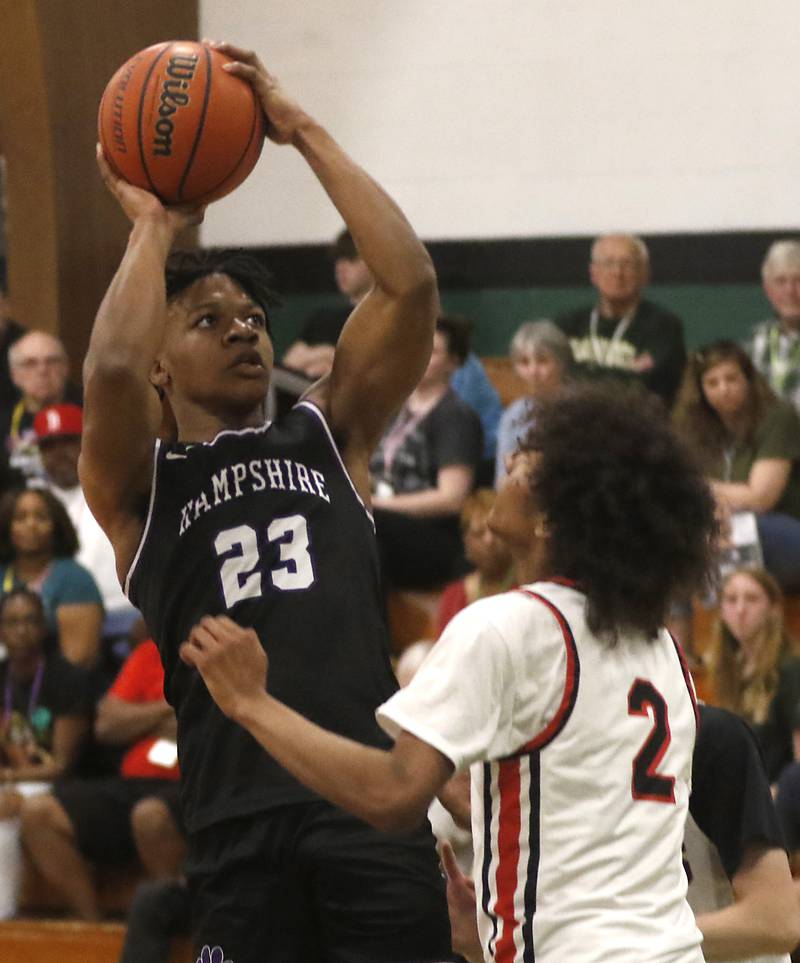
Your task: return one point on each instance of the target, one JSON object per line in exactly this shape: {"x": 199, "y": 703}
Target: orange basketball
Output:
{"x": 172, "y": 121}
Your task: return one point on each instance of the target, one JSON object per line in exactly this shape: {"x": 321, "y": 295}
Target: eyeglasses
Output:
{"x": 28, "y": 364}
{"x": 624, "y": 264}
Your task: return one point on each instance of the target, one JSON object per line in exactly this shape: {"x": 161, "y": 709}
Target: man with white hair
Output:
{"x": 622, "y": 331}
{"x": 775, "y": 344}
{"x": 39, "y": 368}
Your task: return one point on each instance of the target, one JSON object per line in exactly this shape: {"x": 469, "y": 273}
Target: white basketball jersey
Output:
{"x": 581, "y": 757}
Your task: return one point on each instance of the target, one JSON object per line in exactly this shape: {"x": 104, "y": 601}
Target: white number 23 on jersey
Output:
{"x": 240, "y": 573}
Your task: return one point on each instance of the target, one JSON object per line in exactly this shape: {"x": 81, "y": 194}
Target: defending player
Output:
{"x": 267, "y": 522}
{"x": 740, "y": 887}
{"x": 571, "y": 704}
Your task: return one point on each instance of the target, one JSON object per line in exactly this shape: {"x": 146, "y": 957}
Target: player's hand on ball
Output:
{"x": 284, "y": 115}
{"x": 230, "y": 659}
{"x": 138, "y": 203}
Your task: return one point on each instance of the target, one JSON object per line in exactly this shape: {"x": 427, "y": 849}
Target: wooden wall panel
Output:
{"x": 64, "y": 234}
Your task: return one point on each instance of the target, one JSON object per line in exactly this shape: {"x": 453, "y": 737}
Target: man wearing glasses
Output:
{"x": 622, "y": 332}
{"x": 39, "y": 369}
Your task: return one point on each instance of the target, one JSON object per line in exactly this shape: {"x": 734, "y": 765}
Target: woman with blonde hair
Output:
{"x": 752, "y": 670}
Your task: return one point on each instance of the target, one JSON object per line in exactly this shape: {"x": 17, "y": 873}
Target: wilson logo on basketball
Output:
{"x": 180, "y": 72}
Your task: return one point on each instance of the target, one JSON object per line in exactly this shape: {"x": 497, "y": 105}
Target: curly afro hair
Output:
{"x": 630, "y": 516}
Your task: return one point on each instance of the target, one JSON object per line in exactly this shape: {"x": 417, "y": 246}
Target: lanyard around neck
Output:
{"x": 34, "y": 694}
{"x": 781, "y": 364}
{"x": 601, "y": 357}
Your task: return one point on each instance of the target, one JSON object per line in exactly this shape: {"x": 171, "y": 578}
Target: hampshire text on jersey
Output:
{"x": 244, "y": 478}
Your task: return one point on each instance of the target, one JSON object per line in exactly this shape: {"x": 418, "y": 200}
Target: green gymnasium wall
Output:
{"x": 708, "y": 311}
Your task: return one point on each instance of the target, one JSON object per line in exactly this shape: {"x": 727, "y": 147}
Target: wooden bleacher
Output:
{"x": 67, "y": 941}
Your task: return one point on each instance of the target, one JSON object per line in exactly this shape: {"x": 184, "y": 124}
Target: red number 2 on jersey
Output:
{"x": 647, "y": 782}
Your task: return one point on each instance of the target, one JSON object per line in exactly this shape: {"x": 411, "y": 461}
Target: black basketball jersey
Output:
{"x": 264, "y": 525}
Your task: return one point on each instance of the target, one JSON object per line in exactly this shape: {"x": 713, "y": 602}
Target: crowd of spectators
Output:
{"x": 79, "y": 673}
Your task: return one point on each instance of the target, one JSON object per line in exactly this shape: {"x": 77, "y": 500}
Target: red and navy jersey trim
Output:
{"x": 502, "y": 943}
{"x": 687, "y": 678}
{"x": 571, "y": 680}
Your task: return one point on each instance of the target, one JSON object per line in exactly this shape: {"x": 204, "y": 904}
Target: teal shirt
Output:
{"x": 67, "y": 583}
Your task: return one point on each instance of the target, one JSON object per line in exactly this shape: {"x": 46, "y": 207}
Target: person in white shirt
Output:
{"x": 569, "y": 702}
{"x": 58, "y": 431}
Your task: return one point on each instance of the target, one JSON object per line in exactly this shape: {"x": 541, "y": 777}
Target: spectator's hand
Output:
{"x": 461, "y": 906}
{"x": 284, "y": 115}
{"x": 138, "y": 203}
{"x": 230, "y": 659}
{"x": 643, "y": 362}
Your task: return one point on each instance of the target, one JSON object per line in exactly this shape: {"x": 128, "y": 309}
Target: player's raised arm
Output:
{"x": 121, "y": 408}
{"x": 386, "y": 343}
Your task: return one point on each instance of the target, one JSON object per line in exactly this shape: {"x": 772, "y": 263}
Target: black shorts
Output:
{"x": 311, "y": 884}
{"x": 100, "y": 813}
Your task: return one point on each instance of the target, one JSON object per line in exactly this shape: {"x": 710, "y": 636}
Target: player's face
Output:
{"x": 31, "y": 525}
{"x": 745, "y": 608}
{"x": 514, "y": 517}
{"x": 540, "y": 371}
{"x": 484, "y": 549}
{"x": 216, "y": 353}
{"x": 22, "y": 628}
{"x": 617, "y": 270}
{"x": 725, "y": 388}
{"x": 782, "y": 287}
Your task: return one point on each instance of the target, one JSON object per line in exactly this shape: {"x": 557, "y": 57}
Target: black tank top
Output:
{"x": 263, "y": 524}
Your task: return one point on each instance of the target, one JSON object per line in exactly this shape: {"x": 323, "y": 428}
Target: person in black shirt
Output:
{"x": 268, "y": 523}
{"x": 45, "y": 720}
{"x": 740, "y": 886}
{"x": 622, "y": 335}
{"x": 312, "y": 352}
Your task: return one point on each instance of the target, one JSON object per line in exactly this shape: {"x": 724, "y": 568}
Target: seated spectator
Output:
{"x": 112, "y": 820}
{"x": 312, "y": 352}
{"x": 542, "y": 358}
{"x": 775, "y": 344}
{"x": 494, "y": 570}
{"x": 37, "y": 548}
{"x": 39, "y": 369}
{"x": 749, "y": 444}
{"x": 58, "y": 431}
{"x": 471, "y": 383}
{"x": 751, "y": 670}
{"x": 622, "y": 332}
{"x": 45, "y": 721}
{"x": 422, "y": 471}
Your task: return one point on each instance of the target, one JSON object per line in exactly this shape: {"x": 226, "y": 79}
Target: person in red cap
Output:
{"x": 58, "y": 431}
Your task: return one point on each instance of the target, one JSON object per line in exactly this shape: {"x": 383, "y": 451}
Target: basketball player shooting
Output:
{"x": 568, "y": 701}
{"x": 267, "y": 525}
